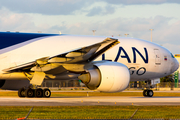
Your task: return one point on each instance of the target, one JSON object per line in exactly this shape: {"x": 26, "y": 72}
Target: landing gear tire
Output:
{"x": 21, "y": 92}
{"x": 34, "y": 92}
{"x": 38, "y": 92}
{"x": 46, "y": 93}
{"x": 29, "y": 92}
{"x": 148, "y": 93}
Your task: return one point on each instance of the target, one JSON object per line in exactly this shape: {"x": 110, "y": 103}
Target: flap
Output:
{"x": 38, "y": 78}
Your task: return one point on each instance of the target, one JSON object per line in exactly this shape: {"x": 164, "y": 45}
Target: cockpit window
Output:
{"x": 172, "y": 55}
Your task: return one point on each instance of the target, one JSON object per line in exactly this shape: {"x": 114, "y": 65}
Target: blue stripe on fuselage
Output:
{"x": 8, "y": 38}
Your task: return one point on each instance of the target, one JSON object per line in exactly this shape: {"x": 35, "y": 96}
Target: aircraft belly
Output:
{"x": 21, "y": 76}
{"x": 13, "y": 76}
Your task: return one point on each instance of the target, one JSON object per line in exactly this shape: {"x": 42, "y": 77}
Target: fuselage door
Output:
{"x": 157, "y": 57}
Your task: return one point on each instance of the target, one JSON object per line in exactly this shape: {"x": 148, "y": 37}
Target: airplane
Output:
{"x": 106, "y": 64}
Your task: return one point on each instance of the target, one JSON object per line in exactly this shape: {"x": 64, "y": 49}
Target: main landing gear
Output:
{"x": 148, "y": 93}
{"x": 34, "y": 92}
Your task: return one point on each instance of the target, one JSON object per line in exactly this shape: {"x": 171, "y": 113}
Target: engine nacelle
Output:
{"x": 107, "y": 76}
{"x": 13, "y": 84}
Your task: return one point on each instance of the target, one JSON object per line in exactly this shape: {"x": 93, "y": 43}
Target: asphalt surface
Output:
{"x": 88, "y": 101}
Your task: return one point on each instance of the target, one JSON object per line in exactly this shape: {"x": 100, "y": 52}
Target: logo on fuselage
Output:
{"x": 123, "y": 54}
{"x": 135, "y": 53}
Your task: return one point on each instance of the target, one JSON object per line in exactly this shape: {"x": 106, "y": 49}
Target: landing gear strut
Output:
{"x": 148, "y": 93}
{"x": 29, "y": 92}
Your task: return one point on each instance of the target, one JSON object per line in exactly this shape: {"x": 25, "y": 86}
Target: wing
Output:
{"x": 71, "y": 61}
{"x": 79, "y": 56}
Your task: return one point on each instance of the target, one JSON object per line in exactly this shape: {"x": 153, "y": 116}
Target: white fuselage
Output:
{"x": 144, "y": 59}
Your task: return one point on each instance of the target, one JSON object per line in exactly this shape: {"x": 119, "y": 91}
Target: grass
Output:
{"x": 56, "y": 94}
{"x": 71, "y": 94}
{"x": 90, "y": 112}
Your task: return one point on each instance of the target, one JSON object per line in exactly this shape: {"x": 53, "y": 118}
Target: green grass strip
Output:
{"x": 58, "y": 94}
{"x": 90, "y": 112}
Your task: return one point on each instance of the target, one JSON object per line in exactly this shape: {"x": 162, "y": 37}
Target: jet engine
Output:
{"x": 106, "y": 76}
{"x": 13, "y": 84}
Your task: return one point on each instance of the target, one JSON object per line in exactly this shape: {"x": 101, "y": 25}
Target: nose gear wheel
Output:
{"x": 148, "y": 93}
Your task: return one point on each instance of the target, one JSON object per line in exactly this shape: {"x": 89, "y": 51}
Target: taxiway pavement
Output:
{"x": 88, "y": 101}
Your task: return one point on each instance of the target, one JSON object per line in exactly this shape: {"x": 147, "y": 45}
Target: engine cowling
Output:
{"x": 13, "y": 84}
{"x": 106, "y": 76}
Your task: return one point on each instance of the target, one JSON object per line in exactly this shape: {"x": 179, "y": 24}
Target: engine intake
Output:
{"x": 106, "y": 76}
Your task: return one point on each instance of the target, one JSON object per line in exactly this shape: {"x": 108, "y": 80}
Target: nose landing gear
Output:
{"x": 148, "y": 93}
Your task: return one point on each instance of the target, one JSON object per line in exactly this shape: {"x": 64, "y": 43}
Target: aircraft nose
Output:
{"x": 175, "y": 65}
